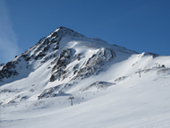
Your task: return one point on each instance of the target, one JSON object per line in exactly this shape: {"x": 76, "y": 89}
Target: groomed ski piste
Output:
{"x": 125, "y": 89}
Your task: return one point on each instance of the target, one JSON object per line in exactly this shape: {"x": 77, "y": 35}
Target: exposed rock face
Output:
{"x": 59, "y": 70}
{"x": 120, "y": 79}
{"x": 55, "y": 91}
{"x": 51, "y": 92}
{"x": 44, "y": 50}
{"x": 8, "y": 70}
{"x": 47, "y": 47}
{"x": 91, "y": 66}
{"x": 95, "y": 62}
{"x": 98, "y": 85}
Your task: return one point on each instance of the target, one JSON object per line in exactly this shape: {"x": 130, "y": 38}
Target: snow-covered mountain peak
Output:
{"x": 105, "y": 81}
{"x": 60, "y": 61}
{"x": 68, "y": 55}
{"x": 63, "y": 32}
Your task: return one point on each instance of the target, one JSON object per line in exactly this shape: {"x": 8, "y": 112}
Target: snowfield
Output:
{"x": 136, "y": 103}
{"x": 113, "y": 87}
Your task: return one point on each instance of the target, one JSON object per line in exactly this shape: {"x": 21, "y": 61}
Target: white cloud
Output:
{"x": 8, "y": 40}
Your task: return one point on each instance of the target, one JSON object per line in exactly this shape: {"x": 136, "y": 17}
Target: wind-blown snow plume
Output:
{"x": 8, "y": 40}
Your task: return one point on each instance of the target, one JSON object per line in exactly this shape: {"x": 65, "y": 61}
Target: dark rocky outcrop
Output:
{"x": 8, "y": 70}
{"x": 95, "y": 63}
{"x": 98, "y": 85}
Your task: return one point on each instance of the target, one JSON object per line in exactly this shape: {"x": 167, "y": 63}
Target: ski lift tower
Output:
{"x": 71, "y": 98}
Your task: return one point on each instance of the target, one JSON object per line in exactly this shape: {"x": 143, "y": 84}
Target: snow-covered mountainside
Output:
{"x": 111, "y": 85}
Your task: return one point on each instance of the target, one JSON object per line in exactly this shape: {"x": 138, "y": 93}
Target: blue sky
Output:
{"x": 140, "y": 25}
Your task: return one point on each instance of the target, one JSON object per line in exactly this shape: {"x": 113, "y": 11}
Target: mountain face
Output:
{"x": 60, "y": 61}
{"x": 111, "y": 86}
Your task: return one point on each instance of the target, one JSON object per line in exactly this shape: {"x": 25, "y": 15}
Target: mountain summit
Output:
{"x": 62, "y": 47}
{"x": 67, "y": 65}
{"x": 63, "y": 32}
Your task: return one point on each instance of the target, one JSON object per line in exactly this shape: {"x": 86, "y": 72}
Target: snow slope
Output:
{"x": 111, "y": 85}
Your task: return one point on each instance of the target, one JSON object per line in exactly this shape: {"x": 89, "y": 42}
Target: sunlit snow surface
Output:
{"x": 133, "y": 91}
{"x": 133, "y": 102}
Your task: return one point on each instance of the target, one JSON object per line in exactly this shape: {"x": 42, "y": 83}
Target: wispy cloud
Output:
{"x": 8, "y": 41}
